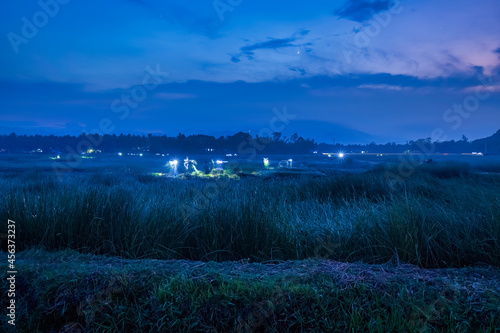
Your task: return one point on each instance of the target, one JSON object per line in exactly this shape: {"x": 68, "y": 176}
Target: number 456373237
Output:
{"x": 11, "y": 235}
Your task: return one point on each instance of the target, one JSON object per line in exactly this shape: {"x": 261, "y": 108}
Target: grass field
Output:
{"x": 366, "y": 244}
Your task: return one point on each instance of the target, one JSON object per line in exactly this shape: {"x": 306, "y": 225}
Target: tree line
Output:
{"x": 239, "y": 143}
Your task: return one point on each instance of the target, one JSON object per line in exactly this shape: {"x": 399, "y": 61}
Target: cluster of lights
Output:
{"x": 173, "y": 164}
{"x": 340, "y": 155}
{"x": 92, "y": 151}
{"x": 130, "y": 154}
{"x": 188, "y": 163}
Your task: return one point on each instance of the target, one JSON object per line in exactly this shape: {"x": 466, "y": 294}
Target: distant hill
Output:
{"x": 490, "y": 145}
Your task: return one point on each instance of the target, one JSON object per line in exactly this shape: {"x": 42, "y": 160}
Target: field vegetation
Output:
{"x": 313, "y": 248}
{"x": 441, "y": 216}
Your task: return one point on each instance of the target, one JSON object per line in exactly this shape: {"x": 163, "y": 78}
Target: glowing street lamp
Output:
{"x": 341, "y": 158}
{"x": 173, "y": 166}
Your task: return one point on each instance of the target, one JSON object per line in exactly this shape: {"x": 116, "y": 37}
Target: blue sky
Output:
{"x": 353, "y": 71}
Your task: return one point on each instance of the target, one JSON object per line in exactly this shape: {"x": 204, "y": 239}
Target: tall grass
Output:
{"x": 438, "y": 217}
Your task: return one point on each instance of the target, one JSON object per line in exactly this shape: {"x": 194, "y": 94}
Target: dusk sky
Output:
{"x": 353, "y": 71}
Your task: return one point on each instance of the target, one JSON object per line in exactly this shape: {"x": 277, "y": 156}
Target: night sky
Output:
{"x": 353, "y": 71}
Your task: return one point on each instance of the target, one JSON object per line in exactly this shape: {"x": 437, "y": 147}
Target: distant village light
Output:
{"x": 173, "y": 166}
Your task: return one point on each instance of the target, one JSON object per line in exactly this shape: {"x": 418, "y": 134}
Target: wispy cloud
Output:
{"x": 174, "y": 96}
{"x": 248, "y": 50}
{"x": 483, "y": 89}
{"x": 271, "y": 44}
{"x": 363, "y": 10}
{"x": 382, "y": 87}
{"x": 302, "y": 71}
{"x": 189, "y": 41}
